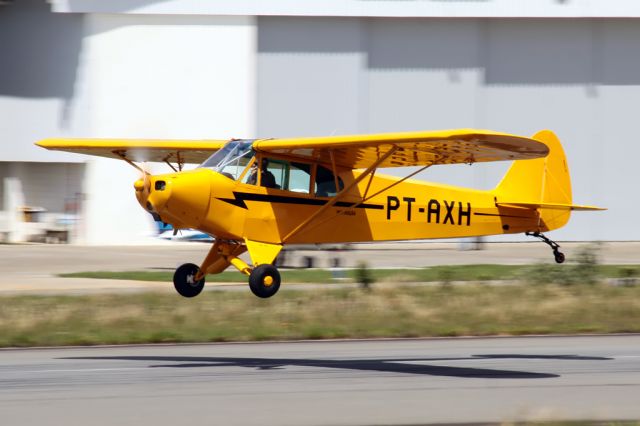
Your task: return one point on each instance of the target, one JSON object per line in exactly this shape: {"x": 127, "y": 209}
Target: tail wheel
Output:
{"x": 184, "y": 280}
{"x": 264, "y": 281}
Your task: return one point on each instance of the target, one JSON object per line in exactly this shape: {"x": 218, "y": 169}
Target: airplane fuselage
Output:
{"x": 205, "y": 200}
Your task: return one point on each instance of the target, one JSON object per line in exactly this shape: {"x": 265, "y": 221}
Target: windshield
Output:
{"x": 231, "y": 159}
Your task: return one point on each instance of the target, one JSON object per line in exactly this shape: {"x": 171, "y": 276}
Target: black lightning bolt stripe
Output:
{"x": 240, "y": 198}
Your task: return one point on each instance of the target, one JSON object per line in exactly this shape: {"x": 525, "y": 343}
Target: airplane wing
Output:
{"x": 413, "y": 148}
{"x": 183, "y": 151}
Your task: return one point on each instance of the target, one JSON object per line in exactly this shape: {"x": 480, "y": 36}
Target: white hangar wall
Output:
{"x": 112, "y": 75}
{"x": 171, "y": 77}
{"x": 38, "y": 68}
{"x": 378, "y": 8}
{"x": 178, "y": 69}
{"x": 39, "y": 60}
{"x": 580, "y": 78}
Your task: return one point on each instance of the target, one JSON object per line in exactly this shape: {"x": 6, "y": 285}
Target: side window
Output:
{"x": 325, "y": 183}
{"x": 293, "y": 176}
{"x": 278, "y": 169}
{"x": 281, "y": 174}
{"x": 270, "y": 172}
{"x": 290, "y": 176}
{"x": 299, "y": 178}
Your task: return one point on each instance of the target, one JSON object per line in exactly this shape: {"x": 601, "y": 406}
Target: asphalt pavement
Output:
{"x": 391, "y": 382}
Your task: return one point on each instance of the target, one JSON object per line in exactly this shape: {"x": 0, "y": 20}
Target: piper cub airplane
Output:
{"x": 257, "y": 195}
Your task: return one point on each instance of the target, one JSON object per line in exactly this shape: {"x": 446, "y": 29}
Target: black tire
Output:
{"x": 264, "y": 281}
{"x": 184, "y": 280}
{"x": 559, "y": 257}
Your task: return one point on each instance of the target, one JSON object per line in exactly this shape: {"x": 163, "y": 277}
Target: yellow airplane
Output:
{"x": 257, "y": 195}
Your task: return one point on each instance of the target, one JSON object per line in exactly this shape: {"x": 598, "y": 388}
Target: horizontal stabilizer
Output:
{"x": 553, "y": 206}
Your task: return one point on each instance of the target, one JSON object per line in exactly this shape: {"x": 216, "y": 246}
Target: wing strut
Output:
{"x": 339, "y": 195}
{"x": 166, "y": 160}
{"x": 179, "y": 161}
{"x": 366, "y": 198}
{"x": 336, "y": 182}
{"x": 366, "y": 191}
{"x": 124, "y": 157}
{"x": 390, "y": 186}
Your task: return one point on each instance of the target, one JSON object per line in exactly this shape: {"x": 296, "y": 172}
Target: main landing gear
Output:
{"x": 185, "y": 281}
{"x": 264, "y": 279}
{"x": 557, "y": 254}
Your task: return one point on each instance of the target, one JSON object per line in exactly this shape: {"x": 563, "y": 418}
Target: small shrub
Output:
{"x": 445, "y": 276}
{"x": 586, "y": 265}
{"x": 583, "y": 268}
{"x": 546, "y": 273}
{"x": 628, "y": 277}
{"x": 363, "y": 275}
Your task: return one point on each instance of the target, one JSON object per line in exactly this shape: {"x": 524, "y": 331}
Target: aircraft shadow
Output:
{"x": 396, "y": 365}
{"x": 558, "y": 357}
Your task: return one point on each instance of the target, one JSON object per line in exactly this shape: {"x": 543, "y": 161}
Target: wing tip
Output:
{"x": 47, "y": 143}
{"x": 588, "y": 208}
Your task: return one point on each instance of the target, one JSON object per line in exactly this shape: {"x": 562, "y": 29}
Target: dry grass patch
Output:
{"x": 402, "y": 311}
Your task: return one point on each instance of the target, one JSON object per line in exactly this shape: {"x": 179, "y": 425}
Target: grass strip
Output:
{"x": 401, "y": 311}
{"x": 568, "y": 423}
{"x": 550, "y": 272}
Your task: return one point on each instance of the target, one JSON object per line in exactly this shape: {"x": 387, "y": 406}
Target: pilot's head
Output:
{"x": 263, "y": 164}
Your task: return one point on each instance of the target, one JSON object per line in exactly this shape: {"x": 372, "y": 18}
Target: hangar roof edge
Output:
{"x": 363, "y": 8}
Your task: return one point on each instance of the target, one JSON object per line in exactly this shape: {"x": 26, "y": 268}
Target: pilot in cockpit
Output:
{"x": 268, "y": 180}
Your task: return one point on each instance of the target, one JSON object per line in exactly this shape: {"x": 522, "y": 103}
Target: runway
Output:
{"x": 32, "y": 269}
{"x": 396, "y": 382}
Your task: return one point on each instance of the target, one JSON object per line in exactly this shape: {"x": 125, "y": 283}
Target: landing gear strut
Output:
{"x": 264, "y": 279}
{"x": 557, "y": 254}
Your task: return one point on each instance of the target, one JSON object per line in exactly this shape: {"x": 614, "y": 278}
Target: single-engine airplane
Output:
{"x": 257, "y": 195}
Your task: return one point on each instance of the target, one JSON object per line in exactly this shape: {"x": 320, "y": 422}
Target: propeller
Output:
{"x": 143, "y": 186}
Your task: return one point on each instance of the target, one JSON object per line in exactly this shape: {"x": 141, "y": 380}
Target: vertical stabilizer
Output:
{"x": 540, "y": 181}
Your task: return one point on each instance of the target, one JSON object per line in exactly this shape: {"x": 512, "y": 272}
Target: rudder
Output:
{"x": 540, "y": 181}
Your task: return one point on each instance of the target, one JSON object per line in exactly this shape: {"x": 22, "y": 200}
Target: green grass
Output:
{"x": 432, "y": 274}
{"x": 575, "y": 423}
{"x": 300, "y": 276}
{"x": 398, "y": 311}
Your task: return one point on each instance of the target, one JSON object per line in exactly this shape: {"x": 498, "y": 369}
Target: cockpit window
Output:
{"x": 231, "y": 159}
{"x": 326, "y": 183}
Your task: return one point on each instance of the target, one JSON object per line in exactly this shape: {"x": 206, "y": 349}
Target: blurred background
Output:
{"x": 217, "y": 69}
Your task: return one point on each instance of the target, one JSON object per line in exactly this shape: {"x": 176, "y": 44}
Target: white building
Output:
{"x": 250, "y": 68}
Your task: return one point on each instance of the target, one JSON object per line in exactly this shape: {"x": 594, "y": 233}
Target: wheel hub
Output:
{"x": 267, "y": 281}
